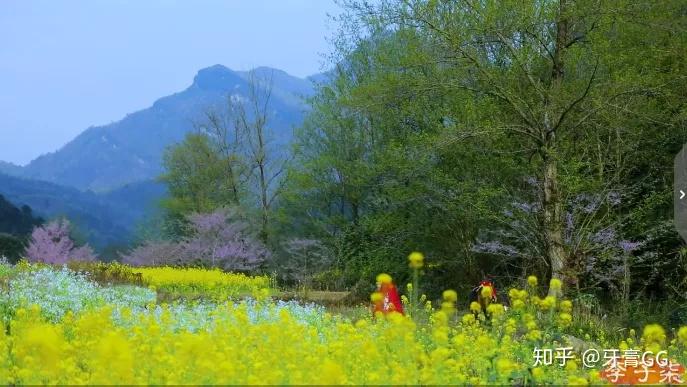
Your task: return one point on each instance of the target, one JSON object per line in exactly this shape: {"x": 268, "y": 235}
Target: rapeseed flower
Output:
{"x": 262, "y": 342}
{"x": 548, "y": 303}
{"x": 450, "y": 295}
{"x": 566, "y": 306}
{"x": 486, "y": 292}
{"x": 517, "y": 304}
{"x": 537, "y": 373}
{"x": 448, "y": 307}
{"x": 495, "y": 309}
{"x": 505, "y": 366}
{"x": 475, "y": 307}
{"x": 416, "y": 260}
{"x": 555, "y": 286}
{"x": 577, "y": 381}
{"x": 653, "y": 337}
{"x": 212, "y": 283}
{"x": 383, "y": 278}
{"x": 564, "y": 319}
{"x": 468, "y": 319}
{"x": 376, "y": 297}
{"x": 682, "y": 335}
{"x": 532, "y": 281}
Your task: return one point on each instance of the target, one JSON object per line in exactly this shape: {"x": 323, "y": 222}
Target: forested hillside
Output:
{"x": 16, "y": 221}
{"x": 15, "y": 225}
{"x": 504, "y": 138}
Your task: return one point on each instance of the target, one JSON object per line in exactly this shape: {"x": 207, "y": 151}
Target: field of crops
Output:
{"x": 60, "y": 326}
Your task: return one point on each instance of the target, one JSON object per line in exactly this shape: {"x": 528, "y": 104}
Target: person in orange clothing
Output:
{"x": 386, "y": 299}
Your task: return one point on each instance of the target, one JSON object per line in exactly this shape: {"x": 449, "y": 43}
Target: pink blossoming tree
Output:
{"x": 216, "y": 239}
{"x": 51, "y": 244}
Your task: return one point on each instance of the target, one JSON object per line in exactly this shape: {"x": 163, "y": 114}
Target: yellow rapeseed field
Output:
{"x": 210, "y": 283}
{"x": 263, "y": 343}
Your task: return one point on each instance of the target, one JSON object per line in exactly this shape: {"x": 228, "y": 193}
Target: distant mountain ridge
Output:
{"x": 103, "y": 158}
{"x": 101, "y": 219}
{"x": 10, "y": 169}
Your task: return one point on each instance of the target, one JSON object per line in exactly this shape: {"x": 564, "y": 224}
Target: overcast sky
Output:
{"x": 68, "y": 65}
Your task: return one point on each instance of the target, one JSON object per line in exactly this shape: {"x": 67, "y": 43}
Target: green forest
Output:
{"x": 500, "y": 138}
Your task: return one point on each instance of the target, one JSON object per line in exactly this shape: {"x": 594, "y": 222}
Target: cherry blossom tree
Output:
{"x": 219, "y": 241}
{"x": 216, "y": 239}
{"x": 52, "y": 244}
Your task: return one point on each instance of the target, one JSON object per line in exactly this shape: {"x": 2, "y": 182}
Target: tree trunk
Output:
{"x": 264, "y": 203}
{"x": 553, "y": 224}
{"x": 553, "y": 220}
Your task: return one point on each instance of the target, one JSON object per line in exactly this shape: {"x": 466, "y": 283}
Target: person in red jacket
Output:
{"x": 386, "y": 299}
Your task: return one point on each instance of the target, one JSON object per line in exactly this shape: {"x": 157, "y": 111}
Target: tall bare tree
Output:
{"x": 228, "y": 140}
{"x": 265, "y": 163}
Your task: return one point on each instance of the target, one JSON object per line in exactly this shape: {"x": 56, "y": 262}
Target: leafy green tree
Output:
{"x": 197, "y": 178}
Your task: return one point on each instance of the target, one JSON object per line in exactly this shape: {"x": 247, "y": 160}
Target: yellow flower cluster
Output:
{"x": 682, "y": 336}
{"x": 209, "y": 283}
{"x": 416, "y": 260}
{"x": 383, "y": 278}
{"x": 450, "y": 298}
{"x": 654, "y": 337}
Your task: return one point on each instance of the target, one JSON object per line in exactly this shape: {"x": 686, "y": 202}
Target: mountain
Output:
{"x": 103, "y": 158}
{"x": 135, "y": 201}
{"x": 10, "y": 169}
{"x": 285, "y": 87}
{"x": 100, "y": 219}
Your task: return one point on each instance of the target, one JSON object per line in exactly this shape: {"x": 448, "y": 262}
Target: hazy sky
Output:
{"x": 68, "y": 65}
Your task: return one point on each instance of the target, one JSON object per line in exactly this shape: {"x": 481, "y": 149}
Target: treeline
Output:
{"x": 500, "y": 138}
